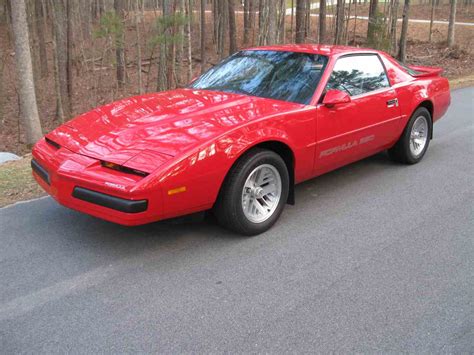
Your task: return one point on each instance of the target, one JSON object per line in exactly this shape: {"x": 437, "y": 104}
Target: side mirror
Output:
{"x": 336, "y": 97}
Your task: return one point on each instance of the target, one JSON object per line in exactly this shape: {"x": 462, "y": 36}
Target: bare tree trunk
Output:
{"x": 339, "y": 22}
{"x": 188, "y": 39}
{"x": 57, "y": 85}
{"x": 8, "y": 12}
{"x": 300, "y": 17}
{"x": 162, "y": 80}
{"x": 171, "y": 51}
{"x": 39, "y": 28}
{"x": 431, "y": 20}
{"x": 222, "y": 28}
{"x": 203, "y": 36}
{"x": 2, "y": 95}
{"x": 292, "y": 18}
{"x": 452, "y": 20}
{"x": 333, "y": 21}
{"x": 252, "y": 18}
{"x": 180, "y": 48}
{"x": 307, "y": 19}
{"x": 60, "y": 44}
{"x": 246, "y": 21}
{"x": 281, "y": 28}
{"x": 167, "y": 48}
{"x": 268, "y": 32}
{"x": 102, "y": 8}
{"x": 385, "y": 13}
{"x": 215, "y": 17}
{"x": 372, "y": 25}
{"x": 347, "y": 20}
{"x": 28, "y": 108}
{"x": 403, "y": 36}
{"x": 3, "y": 60}
{"x": 34, "y": 46}
{"x": 98, "y": 8}
{"x": 85, "y": 14}
{"x": 393, "y": 27}
{"x": 232, "y": 30}
{"x": 322, "y": 21}
{"x": 139, "y": 50}
{"x": 355, "y": 23}
{"x": 263, "y": 23}
{"x": 119, "y": 42}
{"x": 272, "y": 35}
{"x": 69, "y": 52}
{"x": 47, "y": 12}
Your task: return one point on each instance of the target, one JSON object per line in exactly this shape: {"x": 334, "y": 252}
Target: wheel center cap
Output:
{"x": 257, "y": 192}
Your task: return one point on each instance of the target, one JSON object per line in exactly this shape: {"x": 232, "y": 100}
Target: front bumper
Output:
{"x": 82, "y": 184}
{"x": 109, "y": 201}
{"x": 40, "y": 171}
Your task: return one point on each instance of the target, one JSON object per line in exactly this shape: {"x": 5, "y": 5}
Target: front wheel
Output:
{"x": 414, "y": 142}
{"x": 254, "y": 193}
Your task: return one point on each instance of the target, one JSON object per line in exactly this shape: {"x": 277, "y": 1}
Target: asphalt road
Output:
{"x": 374, "y": 257}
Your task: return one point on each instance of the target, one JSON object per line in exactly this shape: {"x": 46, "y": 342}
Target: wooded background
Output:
{"x": 59, "y": 58}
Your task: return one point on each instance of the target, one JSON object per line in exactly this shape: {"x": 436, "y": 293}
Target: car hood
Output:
{"x": 145, "y": 131}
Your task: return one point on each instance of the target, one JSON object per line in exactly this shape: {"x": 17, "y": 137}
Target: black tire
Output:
{"x": 228, "y": 208}
{"x": 401, "y": 151}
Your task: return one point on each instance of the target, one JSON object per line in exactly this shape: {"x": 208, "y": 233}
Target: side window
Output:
{"x": 358, "y": 74}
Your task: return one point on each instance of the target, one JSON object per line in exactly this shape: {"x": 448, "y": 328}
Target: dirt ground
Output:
{"x": 95, "y": 86}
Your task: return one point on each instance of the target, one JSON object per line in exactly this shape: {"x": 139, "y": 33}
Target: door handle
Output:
{"x": 392, "y": 103}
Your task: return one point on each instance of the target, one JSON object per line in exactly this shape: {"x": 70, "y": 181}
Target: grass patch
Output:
{"x": 463, "y": 82}
{"x": 17, "y": 183}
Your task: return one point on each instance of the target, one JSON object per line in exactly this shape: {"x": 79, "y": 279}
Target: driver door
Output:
{"x": 351, "y": 131}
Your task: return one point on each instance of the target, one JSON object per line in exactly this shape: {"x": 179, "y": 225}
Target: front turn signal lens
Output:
{"x": 177, "y": 190}
{"x": 107, "y": 164}
{"x": 123, "y": 169}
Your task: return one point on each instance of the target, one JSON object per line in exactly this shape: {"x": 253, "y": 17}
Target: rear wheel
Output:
{"x": 254, "y": 193}
{"x": 414, "y": 142}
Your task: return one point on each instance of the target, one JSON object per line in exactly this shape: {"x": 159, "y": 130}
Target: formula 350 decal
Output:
{"x": 347, "y": 145}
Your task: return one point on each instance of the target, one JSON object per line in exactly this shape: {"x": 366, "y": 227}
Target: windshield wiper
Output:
{"x": 241, "y": 91}
{"x": 227, "y": 89}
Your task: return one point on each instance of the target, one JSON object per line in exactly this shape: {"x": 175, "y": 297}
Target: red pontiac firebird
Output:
{"x": 240, "y": 136}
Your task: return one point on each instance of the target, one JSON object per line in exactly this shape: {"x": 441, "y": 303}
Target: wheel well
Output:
{"x": 429, "y": 106}
{"x": 286, "y": 154}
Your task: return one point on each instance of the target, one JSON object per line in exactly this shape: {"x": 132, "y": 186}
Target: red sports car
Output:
{"x": 240, "y": 136}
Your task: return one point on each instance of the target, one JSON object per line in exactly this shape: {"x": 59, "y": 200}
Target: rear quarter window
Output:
{"x": 409, "y": 70}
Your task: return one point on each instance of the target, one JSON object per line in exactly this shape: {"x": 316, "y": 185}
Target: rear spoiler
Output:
{"x": 420, "y": 71}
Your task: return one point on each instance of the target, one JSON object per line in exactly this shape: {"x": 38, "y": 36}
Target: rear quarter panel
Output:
{"x": 413, "y": 91}
{"x": 440, "y": 94}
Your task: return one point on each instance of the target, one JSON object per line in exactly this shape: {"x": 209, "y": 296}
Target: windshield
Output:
{"x": 287, "y": 76}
